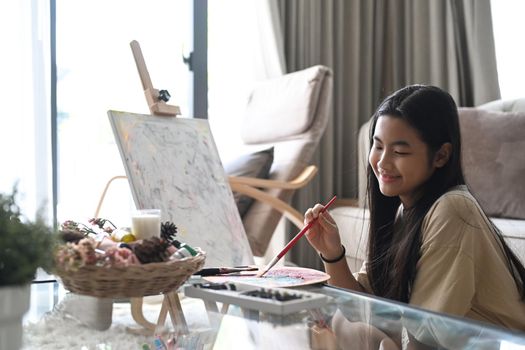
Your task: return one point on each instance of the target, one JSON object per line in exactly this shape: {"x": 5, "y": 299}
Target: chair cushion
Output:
{"x": 494, "y": 160}
{"x": 256, "y": 165}
{"x": 282, "y": 107}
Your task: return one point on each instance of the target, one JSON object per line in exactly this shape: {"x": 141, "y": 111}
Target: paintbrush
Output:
{"x": 292, "y": 242}
{"x": 215, "y": 271}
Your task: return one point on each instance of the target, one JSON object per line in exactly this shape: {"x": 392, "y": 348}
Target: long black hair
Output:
{"x": 394, "y": 245}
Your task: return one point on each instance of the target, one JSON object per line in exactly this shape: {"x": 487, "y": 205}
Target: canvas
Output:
{"x": 173, "y": 164}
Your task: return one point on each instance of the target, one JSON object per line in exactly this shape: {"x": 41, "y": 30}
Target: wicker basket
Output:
{"x": 132, "y": 281}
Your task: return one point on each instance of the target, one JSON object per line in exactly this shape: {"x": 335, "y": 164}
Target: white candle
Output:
{"x": 145, "y": 223}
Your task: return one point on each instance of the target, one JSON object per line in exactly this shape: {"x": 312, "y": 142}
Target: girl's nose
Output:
{"x": 384, "y": 161}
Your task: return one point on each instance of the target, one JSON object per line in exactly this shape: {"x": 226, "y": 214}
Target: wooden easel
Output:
{"x": 156, "y": 100}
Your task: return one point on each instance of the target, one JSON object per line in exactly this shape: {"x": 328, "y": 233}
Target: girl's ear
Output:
{"x": 443, "y": 155}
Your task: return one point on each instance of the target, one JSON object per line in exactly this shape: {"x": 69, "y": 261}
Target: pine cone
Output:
{"x": 151, "y": 250}
{"x": 68, "y": 235}
{"x": 168, "y": 231}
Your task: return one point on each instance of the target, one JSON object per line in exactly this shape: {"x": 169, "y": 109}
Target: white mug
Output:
{"x": 145, "y": 223}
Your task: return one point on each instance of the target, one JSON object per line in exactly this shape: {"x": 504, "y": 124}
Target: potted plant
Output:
{"x": 24, "y": 246}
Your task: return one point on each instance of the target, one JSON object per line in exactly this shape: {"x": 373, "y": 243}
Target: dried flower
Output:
{"x": 86, "y": 249}
{"x": 72, "y": 256}
{"x": 120, "y": 257}
{"x": 101, "y": 224}
{"x": 80, "y": 247}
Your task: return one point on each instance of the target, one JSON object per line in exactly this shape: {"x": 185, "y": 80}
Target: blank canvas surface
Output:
{"x": 173, "y": 164}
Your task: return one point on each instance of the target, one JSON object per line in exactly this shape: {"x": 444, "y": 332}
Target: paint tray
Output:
{"x": 280, "y": 301}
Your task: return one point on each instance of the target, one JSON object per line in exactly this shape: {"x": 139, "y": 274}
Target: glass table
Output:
{"x": 352, "y": 320}
{"x": 45, "y": 294}
{"x": 348, "y": 320}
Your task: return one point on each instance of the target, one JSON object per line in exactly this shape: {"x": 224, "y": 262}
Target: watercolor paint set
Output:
{"x": 280, "y": 301}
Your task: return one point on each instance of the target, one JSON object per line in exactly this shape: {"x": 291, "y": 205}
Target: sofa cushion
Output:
{"x": 256, "y": 165}
{"x": 514, "y": 105}
{"x": 282, "y": 107}
{"x": 514, "y": 233}
{"x": 354, "y": 223}
{"x": 494, "y": 160}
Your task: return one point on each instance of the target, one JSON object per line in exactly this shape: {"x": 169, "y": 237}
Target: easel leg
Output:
{"x": 138, "y": 315}
{"x": 171, "y": 304}
{"x": 161, "y": 321}
{"x": 176, "y": 314}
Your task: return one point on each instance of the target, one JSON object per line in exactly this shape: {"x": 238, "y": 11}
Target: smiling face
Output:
{"x": 400, "y": 159}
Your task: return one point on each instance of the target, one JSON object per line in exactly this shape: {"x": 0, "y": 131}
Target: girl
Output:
{"x": 430, "y": 244}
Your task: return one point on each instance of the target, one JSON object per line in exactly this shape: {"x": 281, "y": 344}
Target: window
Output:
{"x": 95, "y": 73}
{"x": 25, "y": 100}
{"x": 509, "y": 27}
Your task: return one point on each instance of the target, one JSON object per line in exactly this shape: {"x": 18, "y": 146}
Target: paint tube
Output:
{"x": 184, "y": 246}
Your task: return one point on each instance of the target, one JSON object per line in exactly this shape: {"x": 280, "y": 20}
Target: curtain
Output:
{"x": 269, "y": 55}
{"x": 374, "y": 48}
{"x": 25, "y": 122}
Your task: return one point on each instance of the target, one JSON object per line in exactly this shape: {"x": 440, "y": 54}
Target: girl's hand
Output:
{"x": 324, "y": 234}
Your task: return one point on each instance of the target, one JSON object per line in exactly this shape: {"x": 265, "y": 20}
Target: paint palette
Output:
{"x": 278, "y": 301}
{"x": 279, "y": 277}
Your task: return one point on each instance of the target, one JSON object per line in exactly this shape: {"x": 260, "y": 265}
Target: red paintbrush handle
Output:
{"x": 303, "y": 231}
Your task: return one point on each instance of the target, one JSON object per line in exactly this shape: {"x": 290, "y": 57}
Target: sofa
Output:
{"x": 493, "y": 156}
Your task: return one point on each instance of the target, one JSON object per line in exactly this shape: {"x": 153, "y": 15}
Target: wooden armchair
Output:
{"x": 289, "y": 114}
{"x": 255, "y": 188}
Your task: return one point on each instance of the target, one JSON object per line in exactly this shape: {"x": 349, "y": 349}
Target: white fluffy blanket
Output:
{"x": 59, "y": 330}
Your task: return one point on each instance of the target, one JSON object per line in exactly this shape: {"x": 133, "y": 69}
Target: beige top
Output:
{"x": 462, "y": 269}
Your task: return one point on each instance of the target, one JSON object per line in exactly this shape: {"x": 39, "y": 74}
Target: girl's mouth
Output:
{"x": 388, "y": 178}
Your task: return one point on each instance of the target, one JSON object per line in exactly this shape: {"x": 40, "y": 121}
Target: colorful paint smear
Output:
{"x": 284, "y": 276}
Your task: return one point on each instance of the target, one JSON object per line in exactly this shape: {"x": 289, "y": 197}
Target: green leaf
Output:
{"x": 24, "y": 245}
